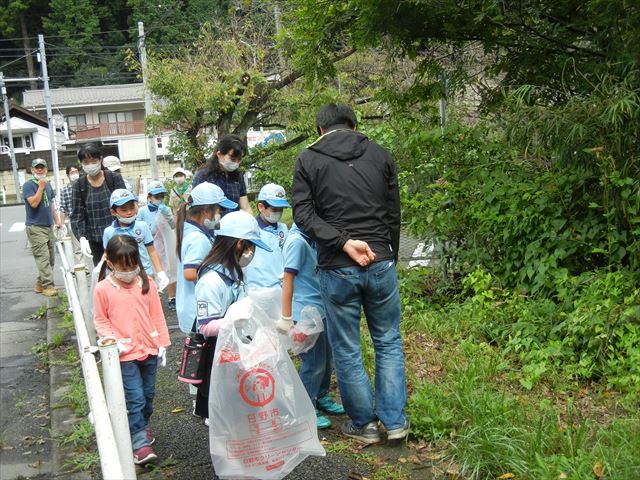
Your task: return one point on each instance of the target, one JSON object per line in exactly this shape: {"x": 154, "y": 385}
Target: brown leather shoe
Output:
{"x": 37, "y": 287}
{"x": 50, "y": 292}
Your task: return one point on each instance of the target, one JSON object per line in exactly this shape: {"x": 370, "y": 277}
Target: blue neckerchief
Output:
{"x": 201, "y": 228}
{"x": 152, "y": 207}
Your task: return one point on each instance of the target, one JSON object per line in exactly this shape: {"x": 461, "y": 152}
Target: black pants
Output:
{"x": 97, "y": 250}
{"x": 202, "y": 397}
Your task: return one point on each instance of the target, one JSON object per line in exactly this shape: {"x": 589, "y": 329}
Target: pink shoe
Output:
{"x": 144, "y": 455}
{"x": 150, "y": 438}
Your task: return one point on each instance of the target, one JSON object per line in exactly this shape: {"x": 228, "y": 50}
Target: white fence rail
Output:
{"x": 108, "y": 413}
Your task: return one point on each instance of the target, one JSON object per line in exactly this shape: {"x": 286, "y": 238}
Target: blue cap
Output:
{"x": 121, "y": 196}
{"x": 209, "y": 194}
{"x": 274, "y": 195}
{"x": 242, "y": 225}
{"x": 156, "y": 187}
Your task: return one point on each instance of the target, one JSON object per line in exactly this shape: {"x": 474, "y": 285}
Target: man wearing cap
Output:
{"x": 267, "y": 268}
{"x": 41, "y": 215}
{"x": 346, "y": 198}
{"x": 180, "y": 191}
{"x": 112, "y": 163}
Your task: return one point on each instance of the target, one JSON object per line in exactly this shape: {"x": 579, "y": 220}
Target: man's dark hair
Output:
{"x": 335, "y": 114}
{"x": 89, "y": 151}
{"x": 69, "y": 167}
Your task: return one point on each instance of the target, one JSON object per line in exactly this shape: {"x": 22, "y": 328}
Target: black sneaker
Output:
{"x": 171, "y": 304}
{"x": 368, "y": 434}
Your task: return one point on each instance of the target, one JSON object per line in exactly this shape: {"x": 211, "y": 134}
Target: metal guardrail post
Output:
{"x": 68, "y": 250}
{"x": 80, "y": 272}
{"x": 114, "y": 391}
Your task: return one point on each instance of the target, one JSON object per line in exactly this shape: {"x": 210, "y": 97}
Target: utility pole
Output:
{"x": 443, "y": 102}
{"x": 14, "y": 165}
{"x": 151, "y": 140}
{"x": 47, "y": 102}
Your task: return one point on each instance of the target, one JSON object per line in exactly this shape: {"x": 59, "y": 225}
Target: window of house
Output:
{"x": 74, "y": 121}
{"x": 115, "y": 117}
{"x": 159, "y": 142}
{"x": 28, "y": 143}
{"x": 17, "y": 142}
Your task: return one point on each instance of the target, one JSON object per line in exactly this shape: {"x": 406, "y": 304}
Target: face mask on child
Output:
{"x": 179, "y": 180}
{"x": 273, "y": 217}
{"x": 127, "y": 277}
{"x": 245, "y": 258}
{"x": 125, "y": 220}
{"x": 211, "y": 224}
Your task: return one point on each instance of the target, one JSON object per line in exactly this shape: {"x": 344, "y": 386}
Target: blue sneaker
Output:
{"x": 322, "y": 421}
{"x": 328, "y": 404}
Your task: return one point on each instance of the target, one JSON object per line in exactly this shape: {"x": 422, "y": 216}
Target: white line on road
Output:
{"x": 17, "y": 227}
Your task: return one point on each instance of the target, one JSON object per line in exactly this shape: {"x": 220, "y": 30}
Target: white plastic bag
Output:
{"x": 305, "y": 333}
{"x": 165, "y": 242}
{"x": 262, "y": 423}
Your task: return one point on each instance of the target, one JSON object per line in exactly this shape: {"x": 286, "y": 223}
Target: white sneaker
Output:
{"x": 206, "y": 422}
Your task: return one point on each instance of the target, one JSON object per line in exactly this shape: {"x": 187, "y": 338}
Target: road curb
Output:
{"x": 63, "y": 418}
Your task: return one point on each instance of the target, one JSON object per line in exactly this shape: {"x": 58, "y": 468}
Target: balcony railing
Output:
{"x": 102, "y": 130}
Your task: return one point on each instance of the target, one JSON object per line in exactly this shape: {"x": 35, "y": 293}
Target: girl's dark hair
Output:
{"x": 223, "y": 252}
{"x": 185, "y": 211}
{"x": 89, "y": 150}
{"x": 226, "y": 144}
{"x": 123, "y": 250}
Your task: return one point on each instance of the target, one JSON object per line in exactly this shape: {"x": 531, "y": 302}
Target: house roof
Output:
{"x": 16, "y": 111}
{"x": 84, "y": 96}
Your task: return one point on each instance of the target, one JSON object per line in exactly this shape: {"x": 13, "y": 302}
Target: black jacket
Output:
{"x": 345, "y": 187}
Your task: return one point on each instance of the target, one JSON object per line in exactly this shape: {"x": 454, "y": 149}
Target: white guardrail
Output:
{"x": 108, "y": 412}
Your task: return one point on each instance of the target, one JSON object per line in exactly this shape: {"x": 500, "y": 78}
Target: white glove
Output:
{"x": 164, "y": 209}
{"x": 162, "y": 357}
{"x": 284, "y": 325}
{"x": 85, "y": 248}
{"x": 162, "y": 280}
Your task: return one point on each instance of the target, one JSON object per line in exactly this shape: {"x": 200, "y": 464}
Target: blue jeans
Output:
{"x": 316, "y": 368}
{"x": 346, "y": 291}
{"x": 139, "y": 381}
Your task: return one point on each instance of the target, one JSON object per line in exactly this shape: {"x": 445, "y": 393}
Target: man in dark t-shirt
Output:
{"x": 41, "y": 216}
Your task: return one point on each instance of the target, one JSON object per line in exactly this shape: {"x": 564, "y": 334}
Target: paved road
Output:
{"x": 24, "y": 385}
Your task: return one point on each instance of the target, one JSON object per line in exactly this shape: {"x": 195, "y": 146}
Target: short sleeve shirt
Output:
{"x": 301, "y": 259}
{"x": 215, "y": 291}
{"x": 266, "y": 268}
{"x": 141, "y": 232}
{"x": 41, "y": 215}
{"x": 196, "y": 244}
{"x": 148, "y": 217}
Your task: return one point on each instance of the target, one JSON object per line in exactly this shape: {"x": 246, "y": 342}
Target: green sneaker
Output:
{"x": 322, "y": 421}
{"x": 328, "y": 404}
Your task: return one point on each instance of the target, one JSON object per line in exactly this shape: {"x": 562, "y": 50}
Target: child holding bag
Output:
{"x": 127, "y": 309}
{"x": 221, "y": 283}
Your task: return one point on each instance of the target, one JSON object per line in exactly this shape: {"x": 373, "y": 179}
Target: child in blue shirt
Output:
{"x": 220, "y": 283}
{"x": 149, "y": 214}
{"x": 196, "y": 220}
{"x": 301, "y": 288}
{"x": 124, "y": 206}
{"x": 266, "y": 269}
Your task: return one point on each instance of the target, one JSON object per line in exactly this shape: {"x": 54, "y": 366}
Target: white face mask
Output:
{"x": 157, "y": 203}
{"x": 73, "y": 177}
{"x": 92, "y": 169}
{"x": 273, "y": 217}
{"x": 125, "y": 220}
{"x": 211, "y": 224}
{"x": 230, "y": 166}
{"x": 127, "y": 277}
{"x": 245, "y": 258}
{"x": 179, "y": 180}
{"x": 40, "y": 176}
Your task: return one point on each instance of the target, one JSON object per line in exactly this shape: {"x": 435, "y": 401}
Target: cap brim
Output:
{"x": 122, "y": 201}
{"x": 261, "y": 244}
{"x": 278, "y": 203}
{"x": 228, "y": 204}
{"x": 39, "y": 164}
{"x": 157, "y": 191}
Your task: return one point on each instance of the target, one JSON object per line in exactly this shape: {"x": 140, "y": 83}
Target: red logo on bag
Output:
{"x": 257, "y": 387}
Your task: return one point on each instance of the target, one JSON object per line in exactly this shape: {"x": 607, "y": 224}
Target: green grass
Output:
{"x": 83, "y": 461}
{"x": 76, "y": 396}
{"x": 81, "y": 435}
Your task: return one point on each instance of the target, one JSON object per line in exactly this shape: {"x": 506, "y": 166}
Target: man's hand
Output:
{"x": 42, "y": 183}
{"x": 359, "y": 252}
{"x": 85, "y": 248}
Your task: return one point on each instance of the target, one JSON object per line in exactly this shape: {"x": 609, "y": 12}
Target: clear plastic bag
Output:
{"x": 305, "y": 333}
{"x": 262, "y": 423}
{"x": 164, "y": 239}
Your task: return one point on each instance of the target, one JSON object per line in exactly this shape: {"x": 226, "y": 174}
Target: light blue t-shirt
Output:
{"x": 196, "y": 244}
{"x": 266, "y": 268}
{"x": 301, "y": 259}
{"x": 150, "y": 216}
{"x": 138, "y": 230}
{"x": 216, "y": 290}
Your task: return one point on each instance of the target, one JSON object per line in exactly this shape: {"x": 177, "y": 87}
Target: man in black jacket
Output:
{"x": 345, "y": 197}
